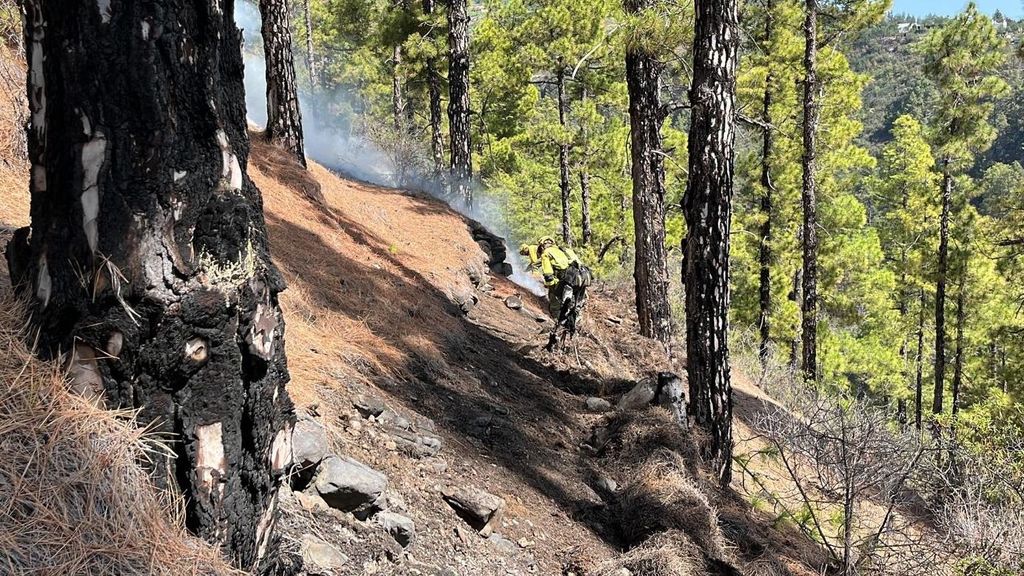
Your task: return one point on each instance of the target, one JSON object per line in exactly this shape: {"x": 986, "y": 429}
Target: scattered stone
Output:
{"x": 502, "y": 269}
{"x": 466, "y": 301}
{"x": 672, "y": 395}
{"x": 401, "y": 528}
{"x": 309, "y": 447}
{"x": 615, "y": 320}
{"x": 621, "y": 572}
{"x": 368, "y": 405}
{"x": 320, "y": 558}
{"x": 350, "y": 486}
{"x": 595, "y": 404}
{"x": 514, "y": 302}
{"x": 607, "y": 484}
{"x": 485, "y": 288}
{"x": 416, "y": 445}
{"x": 394, "y": 420}
{"x": 641, "y": 395}
{"x": 482, "y": 510}
{"x": 501, "y": 543}
{"x": 525, "y": 542}
{"x": 311, "y": 502}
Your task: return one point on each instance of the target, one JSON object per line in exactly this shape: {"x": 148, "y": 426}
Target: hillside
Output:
{"x": 403, "y": 348}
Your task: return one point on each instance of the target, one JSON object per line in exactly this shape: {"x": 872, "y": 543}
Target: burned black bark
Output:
{"x": 458, "y": 101}
{"x": 563, "y": 160}
{"x": 940, "y": 290}
{"x": 284, "y": 121}
{"x": 708, "y": 208}
{"x": 434, "y": 95}
{"x": 809, "y": 307}
{"x": 148, "y": 259}
{"x": 767, "y": 189}
{"x": 650, "y": 269}
{"x": 397, "y": 101}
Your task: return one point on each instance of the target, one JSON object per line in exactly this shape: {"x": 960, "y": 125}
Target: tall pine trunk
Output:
{"x": 918, "y": 377}
{"x": 563, "y": 159}
{"x": 458, "y": 101}
{"x": 434, "y": 95}
{"x": 148, "y": 260}
{"x": 940, "y": 289}
{"x": 958, "y": 358}
{"x": 284, "y": 121}
{"x": 767, "y": 189}
{"x": 397, "y": 103}
{"x": 650, "y": 270}
{"x": 310, "y": 60}
{"x": 708, "y": 207}
{"x": 809, "y": 308}
{"x": 585, "y": 204}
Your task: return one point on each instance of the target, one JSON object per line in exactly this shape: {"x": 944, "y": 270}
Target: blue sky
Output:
{"x": 1012, "y": 8}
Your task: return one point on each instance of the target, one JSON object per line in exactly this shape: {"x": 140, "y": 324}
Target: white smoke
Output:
{"x": 351, "y": 152}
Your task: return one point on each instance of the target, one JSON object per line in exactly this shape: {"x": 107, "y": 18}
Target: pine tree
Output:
{"x": 148, "y": 260}
{"x": 458, "y": 101}
{"x": 708, "y": 207}
{"x": 284, "y": 120}
{"x": 961, "y": 58}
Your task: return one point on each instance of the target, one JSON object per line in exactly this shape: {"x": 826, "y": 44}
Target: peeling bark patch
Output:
{"x": 39, "y": 177}
{"x": 37, "y": 82}
{"x": 210, "y": 463}
{"x": 179, "y": 175}
{"x": 265, "y": 529}
{"x": 105, "y": 11}
{"x": 261, "y": 334}
{"x": 115, "y": 343}
{"x": 84, "y": 373}
{"x": 145, "y": 30}
{"x": 231, "y": 172}
{"x": 196, "y": 350}
{"x": 281, "y": 450}
{"x": 44, "y": 285}
{"x": 93, "y": 153}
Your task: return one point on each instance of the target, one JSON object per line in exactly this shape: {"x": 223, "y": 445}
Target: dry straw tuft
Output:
{"x": 73, "y": 498}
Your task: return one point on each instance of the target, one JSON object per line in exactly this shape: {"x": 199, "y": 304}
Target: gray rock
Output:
{"x": 416, "y": 445}
{"x": 320, "y": 558}
{"x": 401, "y": 528}
{"x": 369, "y": 405}
{"x": 482, "y": 510}
{"x": 309, "y": 448}
{"x": 501, "y": 269}
{"x": 595, "y": 404}
{"x": 350, "y": 486}
{"x": 466, "y": 301}
{"x": 391, "y": 419}
{"x": 672, "y": 395}
{"x": 504, "y": 544}
{"x": 607, "y": 484}
{"x": 641, "y": 395}
{"x": 514, "y": 302}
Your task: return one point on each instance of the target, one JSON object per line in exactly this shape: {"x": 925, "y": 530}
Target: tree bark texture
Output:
{"x": 284, "y": 120}
{"x": 708, "y": 207}
{"x": 958, "y": 358}
{"x": 148, "y": 261}
{"x": 563, "y": 160}
{"x": 918, "y": 377}
{"x": 940, "y": 290}
{"x": 650, "y": 268}
{"x": 397, "y": 102}
{"x": 434, "y": 95}
{"x": 458, "y": 101}
{"x": 811, "y": 107}
{"x": 310, "y": 58}
{"x": 796, "y": 295}
{"x": 585, "y": 205}
{"x": 767, "y": 190}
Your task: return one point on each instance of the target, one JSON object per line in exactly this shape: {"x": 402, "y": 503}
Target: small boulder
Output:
{"x": 641, "y": 395}
{"x": 309, "y": 448}
{"x": 514, "y": 302}
{"x": 369, "y": 405}
{"x": 320, "y": 558}
{"x": 672, "y": 395}
{"x": 466, "y": 301}
{"x": 401, "y": 528}
{"x": 350, "y": 486}
{"x": 482, "y": 510}
{"x": 503, "y": 544}
{"x": 595, "y": 404}
{"x": 416, "y": 445}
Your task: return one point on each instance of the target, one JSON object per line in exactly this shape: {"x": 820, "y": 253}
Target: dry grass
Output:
{"x": 73, "y": 499}
{"x": 14, "y": 165}
{"x": 664, "y": 554}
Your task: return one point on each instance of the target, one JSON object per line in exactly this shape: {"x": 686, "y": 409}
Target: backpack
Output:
{"x": 577, "y": 275}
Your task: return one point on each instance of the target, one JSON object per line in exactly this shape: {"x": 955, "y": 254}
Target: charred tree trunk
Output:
{"x": 148, "y": 259}
{"x": 397, "y": 103}
{"x": 434, "y": 95}
{"x": 310, "y": 60}
{"x": 708, "y": 208}
{"x": 809, "y": 308}
{"x": 918, "y": 379}
{"x": 284, "y": 121}
{"x": 563, "y": 160}
{"x": 767, "y": 190}
{"x": 585, "y": 204}
{"x": 940, "y": 290}
{"x": 650, "y": 270}
{"x": 458, "y": 101}
{"x": 958, "y": 358}
{"x": 796, "y": 296}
